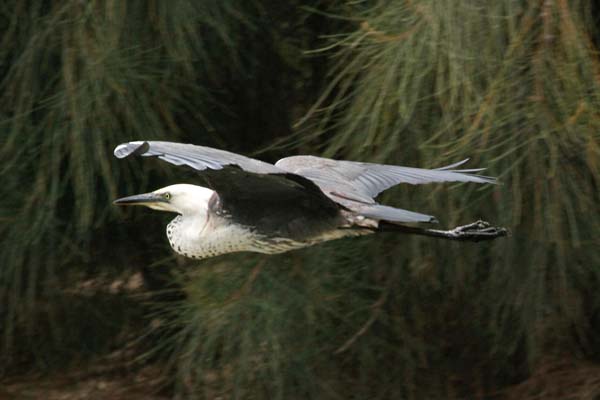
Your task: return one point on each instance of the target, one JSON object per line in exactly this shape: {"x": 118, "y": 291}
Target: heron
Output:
{"x": 250, "y": 205}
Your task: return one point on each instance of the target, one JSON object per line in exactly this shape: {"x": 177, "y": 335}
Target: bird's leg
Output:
{"x": 474, "y": 232}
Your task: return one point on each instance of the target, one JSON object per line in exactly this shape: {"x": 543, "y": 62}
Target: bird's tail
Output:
{"x": 390, "y": 214}
{"x": 388, "y": 226}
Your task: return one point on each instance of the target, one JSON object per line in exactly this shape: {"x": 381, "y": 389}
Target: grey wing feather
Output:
{"x": 380, "y": 212}
{"x": 197, "y": 157}
{"x": 371, "y": 179}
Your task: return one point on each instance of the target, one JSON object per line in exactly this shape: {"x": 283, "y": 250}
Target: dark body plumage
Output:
{"x": 277, "y": 205}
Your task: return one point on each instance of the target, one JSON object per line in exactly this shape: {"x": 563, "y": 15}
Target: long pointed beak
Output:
{"x": 144, "y": 199}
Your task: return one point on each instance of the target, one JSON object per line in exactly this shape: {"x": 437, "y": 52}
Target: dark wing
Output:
{"x": 282, "y": 205}
{"x": 254, "y": 193}
{"x": 368, "y": 180}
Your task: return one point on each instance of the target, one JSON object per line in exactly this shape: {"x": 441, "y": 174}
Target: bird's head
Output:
{"x": 182, "y": 198}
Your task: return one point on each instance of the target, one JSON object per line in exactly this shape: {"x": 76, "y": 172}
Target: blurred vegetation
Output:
{"x": 513, "y": 85}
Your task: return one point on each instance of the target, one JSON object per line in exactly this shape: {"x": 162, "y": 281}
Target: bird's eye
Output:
{"x": 167, "y": 196}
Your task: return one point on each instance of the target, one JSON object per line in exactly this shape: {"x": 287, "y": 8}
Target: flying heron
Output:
{"x": 250, "y": 205}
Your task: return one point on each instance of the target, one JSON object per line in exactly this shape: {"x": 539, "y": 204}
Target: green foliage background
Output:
{"x": 513, "y": 85}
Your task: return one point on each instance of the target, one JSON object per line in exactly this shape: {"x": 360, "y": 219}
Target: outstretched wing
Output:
{"x": 355, "y": 184}
{"x": 366, "y": 180}
{"x": 198, "y": 157}
{"x": 303, "y": 188}
{"x": 255, "y": 193}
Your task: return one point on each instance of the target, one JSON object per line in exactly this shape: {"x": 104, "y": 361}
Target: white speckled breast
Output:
{"x": 219, "y": 236}
{"x": 194, "y": 240}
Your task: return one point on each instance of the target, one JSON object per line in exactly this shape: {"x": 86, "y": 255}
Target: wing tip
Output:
{"x": 131, "y": 148}
{"x": 471, "y": 173}
{"x": 451, "y": 166}
{"x": 487, "y": 179}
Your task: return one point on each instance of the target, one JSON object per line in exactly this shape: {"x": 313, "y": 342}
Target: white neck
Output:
{"x": 186, "y": 199}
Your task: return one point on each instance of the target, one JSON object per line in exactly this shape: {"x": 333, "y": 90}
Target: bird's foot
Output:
{"x": 478, "y": 231}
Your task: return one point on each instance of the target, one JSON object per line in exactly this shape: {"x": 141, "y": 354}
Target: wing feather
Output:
{"x": 197, "y": 157}
{"x": 371, "y": 179}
